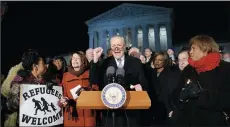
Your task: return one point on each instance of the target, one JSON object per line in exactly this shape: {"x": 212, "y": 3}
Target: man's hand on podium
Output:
{"x": 170, "y": 114}
{"x": 137, "y": 87}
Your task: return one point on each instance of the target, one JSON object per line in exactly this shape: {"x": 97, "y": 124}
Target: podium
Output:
{"x": 134, "y": 100}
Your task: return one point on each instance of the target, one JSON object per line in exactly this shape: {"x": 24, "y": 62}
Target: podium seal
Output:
{"x": 113, "y": 96}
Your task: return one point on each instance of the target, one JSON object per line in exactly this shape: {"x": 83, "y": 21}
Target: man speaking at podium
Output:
{"x": 133, "y": 76}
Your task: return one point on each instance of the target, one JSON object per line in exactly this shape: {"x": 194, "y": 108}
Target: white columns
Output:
{"x": 121, "y": 32}
{"x": 110, "y": 35}
{"x": 103, "y": 41}
{"x": 134, "y": 36}
{"x": 157, "y": 37}
{"x": 169, "y": 35}
{"x": 91, "y": 35}
{"x": 145, "y": 34}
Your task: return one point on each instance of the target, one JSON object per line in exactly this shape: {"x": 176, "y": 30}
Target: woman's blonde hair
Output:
{"x": 205, "y": 43}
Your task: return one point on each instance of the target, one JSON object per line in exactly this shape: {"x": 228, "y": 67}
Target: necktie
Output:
{"x": 119, "y": 63}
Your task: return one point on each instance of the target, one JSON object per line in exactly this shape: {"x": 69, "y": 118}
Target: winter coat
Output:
{"x": 9, "y": 119}
{"x": 208, "y": 108}
{"x": 12, "y": 73}
{"x": 85, "y": 117}
{"x": 161, "y": 91}
{"x": 13, "y": 100}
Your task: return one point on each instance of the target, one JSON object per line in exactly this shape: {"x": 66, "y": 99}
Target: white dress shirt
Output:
{"x": 122, "y": 61}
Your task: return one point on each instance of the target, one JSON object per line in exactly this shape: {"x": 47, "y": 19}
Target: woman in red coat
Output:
{"x": 78, "y": 74}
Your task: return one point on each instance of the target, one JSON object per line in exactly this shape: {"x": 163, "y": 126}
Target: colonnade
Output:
{"x": 101, "y": 37}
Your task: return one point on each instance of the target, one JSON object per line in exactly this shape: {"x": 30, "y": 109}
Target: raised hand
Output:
{"x": 97, "y": 54}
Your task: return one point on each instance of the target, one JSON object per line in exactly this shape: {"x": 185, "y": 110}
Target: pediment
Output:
{"x": 127, "y": 10}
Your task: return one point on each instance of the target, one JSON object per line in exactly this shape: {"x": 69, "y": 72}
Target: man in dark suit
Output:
{"x": 134, "y": 75}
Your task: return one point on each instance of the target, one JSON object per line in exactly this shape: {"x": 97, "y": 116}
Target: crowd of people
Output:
{"x": 188, "y": 89}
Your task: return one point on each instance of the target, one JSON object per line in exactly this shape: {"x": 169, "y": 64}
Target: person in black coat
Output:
{"x": 202, "y": 96}
{"x": 163, "y": 81}
{"x": 149, "y": 55}
{"x": 55, "y": 70}
{"x": 134, "y": 75}
{"x": 145, "y": 119}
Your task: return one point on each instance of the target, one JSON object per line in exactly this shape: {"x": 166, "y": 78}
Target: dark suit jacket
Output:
{"x": 164, "y": 85}
{"x": 134, "y": 73}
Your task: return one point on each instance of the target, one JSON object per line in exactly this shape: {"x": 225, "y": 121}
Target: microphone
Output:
{"x": 110, "y": 72}
{"x": 120, "y": 74}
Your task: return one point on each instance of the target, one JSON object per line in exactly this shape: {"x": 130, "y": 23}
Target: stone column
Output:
{"x": 91, "y": 35}
{"x": 101, "y": 33}
{"x": 125, "y": 33}
{"x": 121, "y": 32}
{"x": 110, "y": 35}
{"x": 134, "y": 36}
{"x": 145, "y": 34}
{"x": 102, "y": 40}
{"x": 169, "y": 35}
{"x": 95, "y": 38}
{"x": 157, "y": 37}
{"x": 115, "y": 31}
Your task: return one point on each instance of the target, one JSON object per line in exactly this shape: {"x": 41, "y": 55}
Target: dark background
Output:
{"x": 58, "y": 27}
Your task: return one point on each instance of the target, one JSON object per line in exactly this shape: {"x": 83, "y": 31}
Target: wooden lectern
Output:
{"x": 134, "y": 100}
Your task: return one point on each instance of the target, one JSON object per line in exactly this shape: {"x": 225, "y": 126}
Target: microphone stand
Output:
{"x": 113, "y": 113}
{"x": 113, "y": 117}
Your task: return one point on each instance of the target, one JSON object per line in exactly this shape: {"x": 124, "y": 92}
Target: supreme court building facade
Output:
{"x": 142, "y": 26}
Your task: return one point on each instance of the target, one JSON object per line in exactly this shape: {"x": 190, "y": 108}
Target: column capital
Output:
{"x": 134, "y": 26}
{"x": 91, "y": 32}
{"x": 144, "y": 25}
{"x": 121, "y": 28}
{"x": 102, "y": 31}
{"x": 110, "y": 29}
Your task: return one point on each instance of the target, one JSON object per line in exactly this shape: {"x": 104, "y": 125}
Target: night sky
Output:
{"x": 58, "y": 27}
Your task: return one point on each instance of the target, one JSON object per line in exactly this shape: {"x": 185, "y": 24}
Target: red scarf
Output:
{"x": 207, "y": 63}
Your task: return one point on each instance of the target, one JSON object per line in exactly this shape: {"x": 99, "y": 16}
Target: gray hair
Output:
{"x": 118, "y": 36}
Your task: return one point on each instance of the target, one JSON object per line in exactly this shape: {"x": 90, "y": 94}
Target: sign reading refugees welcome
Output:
{"x": 39, "y": 105}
